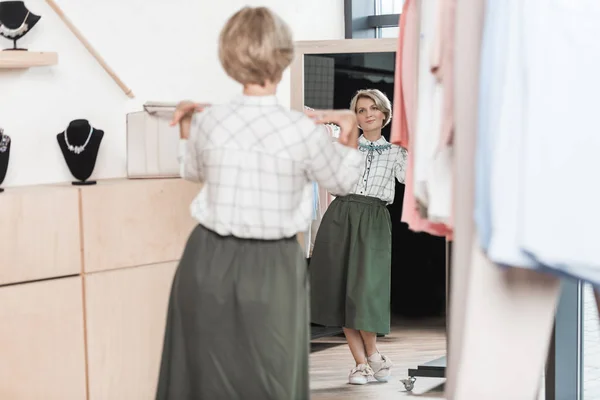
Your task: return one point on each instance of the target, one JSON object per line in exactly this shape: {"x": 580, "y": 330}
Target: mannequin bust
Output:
{"x": 15, "y": 21}
{"x": 79, "y": 144}
{"x": 4, "y": 155}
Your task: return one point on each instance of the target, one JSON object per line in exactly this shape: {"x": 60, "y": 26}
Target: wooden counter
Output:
{"x": 39, "y": 233}
{"x": 85, "y": 277}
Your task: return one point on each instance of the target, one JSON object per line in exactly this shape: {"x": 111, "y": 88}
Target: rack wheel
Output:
{"x": 409, "y": 383}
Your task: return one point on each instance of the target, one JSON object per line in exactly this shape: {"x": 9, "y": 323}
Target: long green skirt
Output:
{"x": 350, "y": 268}
{"x": 238, "y": 321}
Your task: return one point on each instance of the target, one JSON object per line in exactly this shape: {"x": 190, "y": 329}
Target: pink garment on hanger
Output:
{"x": 445, "y": 67}
{"x": 405, "y": 96}
{"x": 399, "y": 131}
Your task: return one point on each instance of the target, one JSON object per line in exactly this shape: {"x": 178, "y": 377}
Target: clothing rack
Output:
{"x": 365, "y": 71}
{"x": 370, "y": 74}
{"x": 434, "y": 368}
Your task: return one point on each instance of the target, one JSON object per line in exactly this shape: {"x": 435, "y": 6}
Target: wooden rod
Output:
{"x": 89, "y": 47}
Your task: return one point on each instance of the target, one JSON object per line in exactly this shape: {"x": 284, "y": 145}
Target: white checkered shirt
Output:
{"x": 257, "y": 161}
{"x": 382, "y": 162}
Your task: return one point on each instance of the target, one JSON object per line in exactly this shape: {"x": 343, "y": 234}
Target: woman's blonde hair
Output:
{"x": 381, "y": 101}
{"x": 255, "y": 46}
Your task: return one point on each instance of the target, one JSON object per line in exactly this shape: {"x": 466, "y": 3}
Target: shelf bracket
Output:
{"x": 89, "y": 47}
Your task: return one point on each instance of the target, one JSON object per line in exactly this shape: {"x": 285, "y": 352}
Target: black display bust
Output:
{"x": 4, "y": 156}
{"x": 15, "y": 21}
{"x": 79, "y": 144}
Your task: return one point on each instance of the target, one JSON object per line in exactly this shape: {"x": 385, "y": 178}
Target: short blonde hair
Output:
{"x": 255, "y": 46}
{"x": 381, "y": 101}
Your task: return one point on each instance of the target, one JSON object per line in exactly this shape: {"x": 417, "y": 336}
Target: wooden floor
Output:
{"x": 409, "y": 344}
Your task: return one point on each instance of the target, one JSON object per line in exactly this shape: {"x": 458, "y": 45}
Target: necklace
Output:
{"x": 13, "y": 33}
{"x": 78, "y": 149}
{"x": 4, "y": 141}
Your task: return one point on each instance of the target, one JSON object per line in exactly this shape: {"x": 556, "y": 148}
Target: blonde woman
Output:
{"x": 237, "y": 325}
{"x": 351, "y": 260}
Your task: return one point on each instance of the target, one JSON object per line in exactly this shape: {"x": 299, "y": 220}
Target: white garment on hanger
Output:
{"x": 433, "y": 165}
{"x": 492, "y": 68}
{"x": 561, "y": 195}
{"x": 506, "y": 134}
{"x": 428, "y": 116}
{"x": 440, "y": 186}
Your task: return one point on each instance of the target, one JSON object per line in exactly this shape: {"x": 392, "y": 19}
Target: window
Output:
{"x": 389, "y": 32}
{"x": 372, "y": 18}
{"x": 389, "y": 7}
{"x": 591, "y": 346}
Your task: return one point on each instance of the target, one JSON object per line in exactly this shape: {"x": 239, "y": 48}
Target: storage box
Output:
{"x": 152, "y": 145}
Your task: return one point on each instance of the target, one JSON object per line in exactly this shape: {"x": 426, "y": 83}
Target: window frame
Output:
{"x": 363, "y": 19}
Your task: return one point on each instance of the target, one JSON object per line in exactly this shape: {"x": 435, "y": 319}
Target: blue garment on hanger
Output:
{"x": 493, "y": 51}
{"x": 315, "y": 200}
{"x": 510, "y": 212}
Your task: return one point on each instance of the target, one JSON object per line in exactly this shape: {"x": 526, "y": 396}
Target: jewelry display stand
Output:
{"x": 15, "y": 22}
{"x": 80, "y": 143}
{"x": 4, "y": 156}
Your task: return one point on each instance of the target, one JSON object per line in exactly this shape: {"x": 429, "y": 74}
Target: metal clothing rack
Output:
{"x": 434, "y": 368}
{"x": 365, "y": 71}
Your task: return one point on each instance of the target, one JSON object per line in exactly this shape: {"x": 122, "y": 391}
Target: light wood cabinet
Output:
{"x": 126, "y": 311}
{"x": 85, "y": 277}
{"x": 42, "y": 341}
{"x": 39, "y": 233}
{"x": 135, "y": 222}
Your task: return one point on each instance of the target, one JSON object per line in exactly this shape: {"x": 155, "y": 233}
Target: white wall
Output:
{"x": 163, "y": 50}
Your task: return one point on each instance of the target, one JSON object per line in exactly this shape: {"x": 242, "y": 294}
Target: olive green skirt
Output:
{"x": 238, "y": 321}
{"x": 350, "y": 268}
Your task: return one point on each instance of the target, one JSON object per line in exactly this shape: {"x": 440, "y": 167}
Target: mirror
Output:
{"x": 331, "y": 80}
{"x": 327, "y": 75}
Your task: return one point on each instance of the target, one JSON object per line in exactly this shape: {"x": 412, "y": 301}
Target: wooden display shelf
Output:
{"x": 12, "y": 59}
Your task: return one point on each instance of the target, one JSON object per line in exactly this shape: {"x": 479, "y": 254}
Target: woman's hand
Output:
{"x": 183, "y": 116}
{"x": 345, "y": 119}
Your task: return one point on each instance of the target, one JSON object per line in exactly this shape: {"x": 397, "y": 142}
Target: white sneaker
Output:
{"x": 382, "y": 369}
{"x": 360, "y": 374}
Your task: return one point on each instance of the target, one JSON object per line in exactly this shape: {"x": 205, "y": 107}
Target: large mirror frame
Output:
{"x": 345, "y": 46}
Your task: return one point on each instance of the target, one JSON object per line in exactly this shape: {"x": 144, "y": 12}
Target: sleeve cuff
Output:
{"x": 353, "y": 158}
{"x": 182, "y": 147}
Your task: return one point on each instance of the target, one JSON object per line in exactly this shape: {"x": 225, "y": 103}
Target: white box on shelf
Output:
{"x": 152, "y": 145}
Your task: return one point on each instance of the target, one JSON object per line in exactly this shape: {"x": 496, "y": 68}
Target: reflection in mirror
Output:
{"x": 417, "y": 305}
{"x": 331, "y": 80}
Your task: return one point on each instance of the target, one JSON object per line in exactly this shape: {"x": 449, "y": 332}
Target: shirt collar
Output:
{"x": 379, "y": 142}
{"x": 270, "y": 100}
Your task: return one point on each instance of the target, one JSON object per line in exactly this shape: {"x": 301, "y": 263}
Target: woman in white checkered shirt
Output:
{"x": 238, "y": 325}
{"x": 351, "y": 261}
